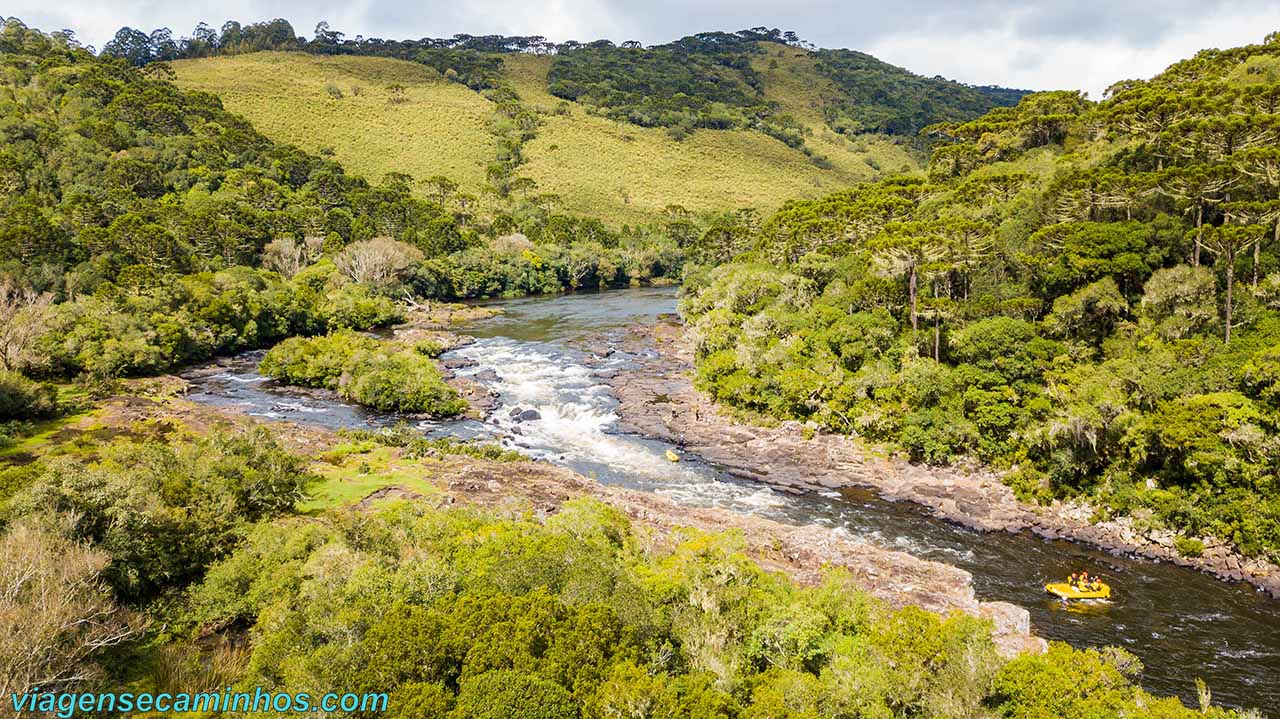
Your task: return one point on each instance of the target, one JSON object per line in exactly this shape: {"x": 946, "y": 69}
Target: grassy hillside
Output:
{"x": 791, "y": 78}
{"x": 616, "y": 171}
{"x": 438, "y": 130}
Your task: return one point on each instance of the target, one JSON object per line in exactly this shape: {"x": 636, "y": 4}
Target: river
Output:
{"x": 538, "y": 354}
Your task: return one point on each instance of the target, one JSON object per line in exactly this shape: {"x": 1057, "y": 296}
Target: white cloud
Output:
{"x": 1002, "y": 57}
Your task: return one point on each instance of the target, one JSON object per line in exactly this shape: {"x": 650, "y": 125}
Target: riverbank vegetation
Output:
{"x": 143, "y": 227}
{"x": 375, "y": 373}
{"x": 1081, "y": 293}
{"x": 457, "y": 611}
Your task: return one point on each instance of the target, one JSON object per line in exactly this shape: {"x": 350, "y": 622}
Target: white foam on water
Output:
{"x": 240, "y": 379}
{"x": 578, "y": 427}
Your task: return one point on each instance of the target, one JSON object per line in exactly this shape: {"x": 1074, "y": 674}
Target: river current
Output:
{"x": 539, "y": 355}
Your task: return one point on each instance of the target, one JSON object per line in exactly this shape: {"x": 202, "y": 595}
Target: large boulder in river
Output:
{"x": 520, "y": 414}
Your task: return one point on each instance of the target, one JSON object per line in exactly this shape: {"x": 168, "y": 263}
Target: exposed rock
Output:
{"x": 441, "y": 315}
{"x": 389, "y": 493}
{"x": 481, "y": 401}
{"x": 457, "y": 362}
{"x": 1012, "y": 628}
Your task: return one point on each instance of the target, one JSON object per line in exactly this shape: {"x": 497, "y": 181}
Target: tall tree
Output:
{"x": 910, "y": 249}
{"x": 1262, "y": 165}
{"x": 1196, "y": 187}
{"x": 1227, "y": 242}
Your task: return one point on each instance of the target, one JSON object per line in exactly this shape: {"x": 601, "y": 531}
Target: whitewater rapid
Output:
{"x": 578, "y": 424}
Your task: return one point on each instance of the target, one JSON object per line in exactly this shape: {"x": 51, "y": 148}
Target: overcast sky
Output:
{"x": 1072, "y": 44}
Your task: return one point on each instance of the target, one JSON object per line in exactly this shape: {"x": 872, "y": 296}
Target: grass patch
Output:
{"x": 438, "y": 128}
{"x": 353, "y": 471}
{"x": 415, "y": 445}
{"x": 22, "y": 442}
{"x": 399, "y": 457}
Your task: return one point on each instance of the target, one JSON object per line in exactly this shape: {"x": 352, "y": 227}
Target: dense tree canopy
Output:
{"x": 1083, "y": 291}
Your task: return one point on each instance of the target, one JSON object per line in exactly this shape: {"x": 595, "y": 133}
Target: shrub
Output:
{"x": 935, "y": 436}
{"x": 420, "y": 699}
{"x": 376, "y": 374}
{"x": 1188, "y": 546}
{"x": 354, "y": 306}
{"x": 314, "y": 361}
{"x": 23, "y": 398}
{"x": 164, "y": 512}
{"x": 378, "y": 261}
{"x": 56, "y": 617}
{"x": 403, "y": 381}
{"x": 507, "y": 694}
{"x": 1005, "y": 345}
{"x": 1180, "y": 301}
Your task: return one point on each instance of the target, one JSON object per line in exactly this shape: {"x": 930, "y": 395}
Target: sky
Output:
{"x": 1031, "y": 44}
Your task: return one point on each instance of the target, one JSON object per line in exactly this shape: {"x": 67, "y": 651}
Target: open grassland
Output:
{"x": 601, "y": 168}
{"x": 625, "y": 172}
{"x": 439, "y": 128}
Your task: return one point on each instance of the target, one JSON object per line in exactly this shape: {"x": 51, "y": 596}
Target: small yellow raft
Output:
{"x": 672, "y": 456}
{"x": 1064, "y": 590}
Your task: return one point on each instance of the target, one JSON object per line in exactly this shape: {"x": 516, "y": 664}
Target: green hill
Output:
{"x": 618, "y": 171}
{"x": 710, "y": 122}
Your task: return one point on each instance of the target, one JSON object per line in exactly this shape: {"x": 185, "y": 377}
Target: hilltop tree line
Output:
{"x": 699, "y": 81}
{"x": 140, "y": 48}
{"x": 1085, "y": 294}
{"x": 878, "y": 97}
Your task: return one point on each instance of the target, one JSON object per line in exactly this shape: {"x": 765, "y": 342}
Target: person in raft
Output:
{"x": 1074, "y": 581}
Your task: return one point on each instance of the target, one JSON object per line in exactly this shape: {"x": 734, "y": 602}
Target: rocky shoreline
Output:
{"x": 895, "y": 578}
{"x": 657, "y": 399}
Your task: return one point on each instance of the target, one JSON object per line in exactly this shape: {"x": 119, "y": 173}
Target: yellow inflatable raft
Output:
{"x": 1066, "y": 591}
{"x": 672, "y": 456}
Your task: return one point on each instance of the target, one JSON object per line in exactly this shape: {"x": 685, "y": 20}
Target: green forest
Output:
{"x": 145, "y": 228}
{"x": 1086, "y": 295}
{"x": 1082, "y": 293}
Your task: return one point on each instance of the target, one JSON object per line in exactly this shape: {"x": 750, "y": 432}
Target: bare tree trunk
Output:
{"x": 1231, "y": 276}
{"x": 911, "y": 287}
{"x": 1195, "y": 258}
{"x": 1257, "y": 253}
{"x": 937, "y": 337}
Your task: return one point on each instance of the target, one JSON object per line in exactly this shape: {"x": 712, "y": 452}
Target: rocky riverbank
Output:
{"x": 658, "y": 400}
{"x": 804, "y": 553}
